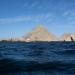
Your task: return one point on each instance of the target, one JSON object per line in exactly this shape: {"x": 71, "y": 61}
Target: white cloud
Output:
{"x": 13, "y": 20}
{"x": 30, "y": 5}
{"x": 34, "y": 4}
{"x": 68, "y": 13}
{"x": 69, "y": 17}
{"x": 33, "y": 18}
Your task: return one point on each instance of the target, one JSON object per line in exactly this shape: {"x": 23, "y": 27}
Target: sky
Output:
{"x": 17, "y": 17}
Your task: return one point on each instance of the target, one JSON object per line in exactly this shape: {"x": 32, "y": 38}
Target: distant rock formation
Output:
{"x": 67, "y": 37}
{"x": 40, "y": 33}
{"x": 13, "y": 39}
{"x": 17, "y": 39}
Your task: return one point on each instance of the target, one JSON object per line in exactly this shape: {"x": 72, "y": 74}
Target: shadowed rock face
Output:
{"x": 67, "y": 37}
{"x": 40, "y": 34}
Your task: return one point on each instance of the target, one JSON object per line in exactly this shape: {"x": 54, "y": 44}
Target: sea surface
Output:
{"x": 37, "y": 58}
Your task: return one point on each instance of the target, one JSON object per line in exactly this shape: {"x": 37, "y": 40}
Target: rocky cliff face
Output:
{"x": 67, "y": 37}
{"x": 40, "y": 34}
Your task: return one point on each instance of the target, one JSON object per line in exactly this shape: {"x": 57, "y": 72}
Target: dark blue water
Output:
{"x": 37, "y": 58}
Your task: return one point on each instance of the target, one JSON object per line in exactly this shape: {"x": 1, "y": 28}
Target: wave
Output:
{"x": 50, "y": 58}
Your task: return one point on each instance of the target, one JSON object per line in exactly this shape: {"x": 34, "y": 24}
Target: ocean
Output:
{"x": 37, "y": 58}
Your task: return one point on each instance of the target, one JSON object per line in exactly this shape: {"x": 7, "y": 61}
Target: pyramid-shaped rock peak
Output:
{"x": 67, "y": 37}
{"x": 39, "y": 33}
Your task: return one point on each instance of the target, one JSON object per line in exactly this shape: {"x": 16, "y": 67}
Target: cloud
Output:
{"x": 47, "y": 17}
{"x": 43, "y": 18}
{"x": 34, "y": 4}
{"x": 30, "y": 4}
{"x": 69, "y": 13}
{"x": 69, "y": 17}
{"x": 13, "y": 20}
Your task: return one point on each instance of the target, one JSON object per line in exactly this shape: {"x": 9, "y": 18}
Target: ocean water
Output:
{"x": 37, "y": 58}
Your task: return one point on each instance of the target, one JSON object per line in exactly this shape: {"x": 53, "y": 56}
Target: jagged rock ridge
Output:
{"x": 40, "y": 33}
{"x": 67, "y": 37}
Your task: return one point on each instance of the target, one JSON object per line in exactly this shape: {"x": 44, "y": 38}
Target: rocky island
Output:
{"x": 67, "y": 37}
{"x": 40, "y": 33}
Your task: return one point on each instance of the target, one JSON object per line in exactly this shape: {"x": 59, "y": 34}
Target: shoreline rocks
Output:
{"x": 67, "y": 37}
{"x": 40, "y": 33}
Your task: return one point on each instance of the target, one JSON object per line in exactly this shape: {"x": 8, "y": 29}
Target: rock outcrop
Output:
{"x": 16, "y": 39}
{"x": 40, "y": 33}
{"x": 67, "y": 37}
